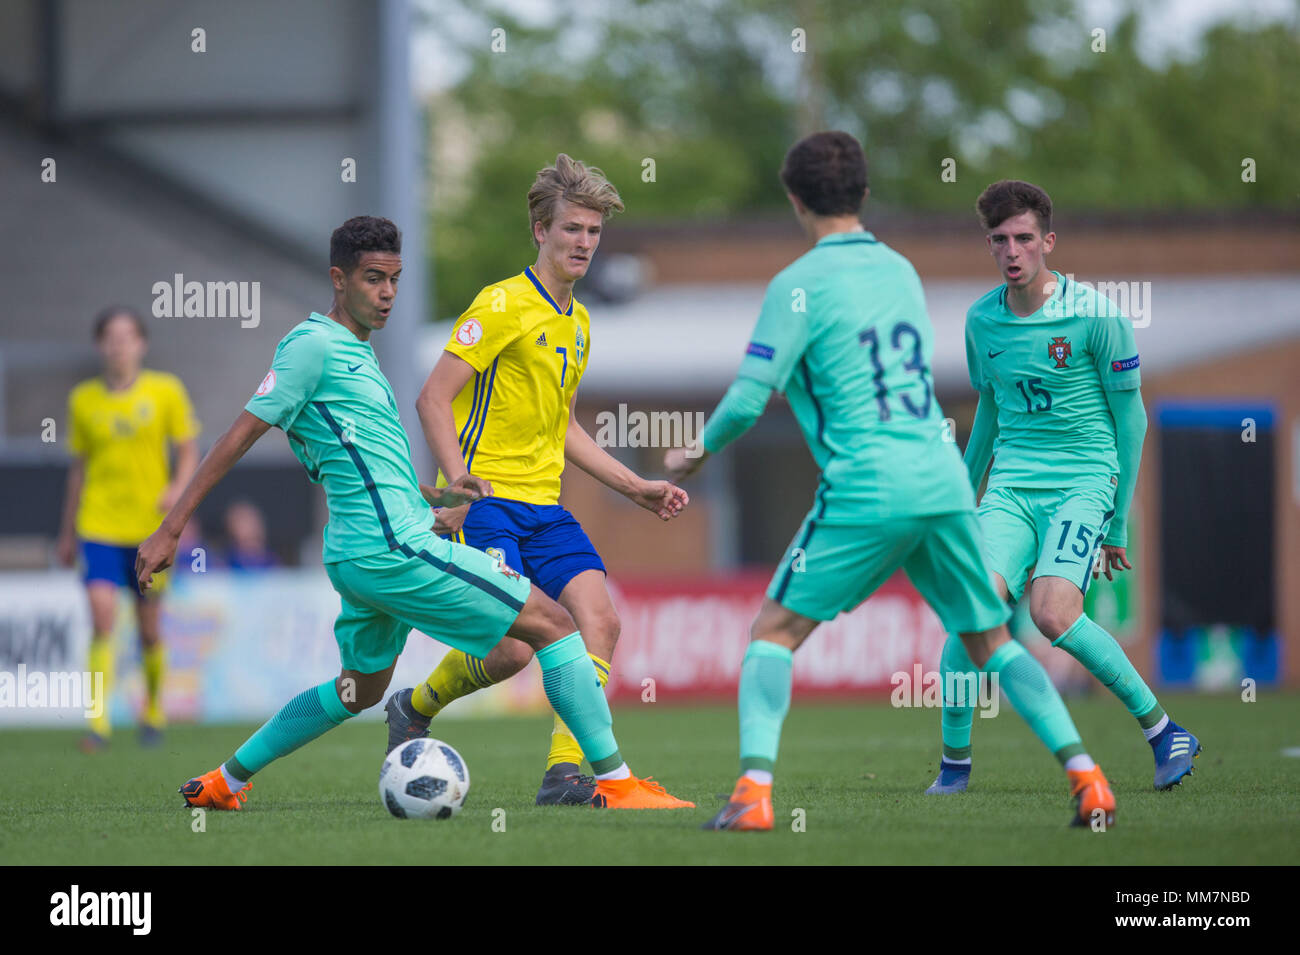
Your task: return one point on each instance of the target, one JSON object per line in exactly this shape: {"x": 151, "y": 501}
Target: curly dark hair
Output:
{"x": 1010, "y": 197}
{"x": 827, "y": 172}
{"x": 106, "y": 315}
{"x": 362, "y": 234}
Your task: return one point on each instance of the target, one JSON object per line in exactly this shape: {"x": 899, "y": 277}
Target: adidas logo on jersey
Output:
{"x": 541, "y": 340}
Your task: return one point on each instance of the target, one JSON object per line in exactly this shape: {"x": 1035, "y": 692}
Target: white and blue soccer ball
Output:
{"x": 423, "y": 779}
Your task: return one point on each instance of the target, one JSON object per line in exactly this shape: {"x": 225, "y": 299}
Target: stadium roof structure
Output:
{"x": 684, "y": 340}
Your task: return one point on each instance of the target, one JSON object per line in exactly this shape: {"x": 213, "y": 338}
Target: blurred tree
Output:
{"x": 713, "y": 92}
{"x": 1135, "y": 137}
{"x": 644, "y": 80}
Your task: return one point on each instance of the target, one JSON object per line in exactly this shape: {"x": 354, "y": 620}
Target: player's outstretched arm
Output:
{"x": 1130, "y": 417}
{"x": 662, "y": 498}
{"x": 983, "y": 433}
{"x": 67, "y": 546}
{"x": 458, "y": 492}
{"x": 187, "y": 460}
{"x": 159, "y": 550}
{"x": 438, "y": 422}
{"x": 448, "y": 379}
{"x": 740, "y": 407}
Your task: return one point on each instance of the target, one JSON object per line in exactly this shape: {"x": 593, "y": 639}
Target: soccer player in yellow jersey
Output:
{"x": 122, "y": 426}
{"x": 499, "y": 404}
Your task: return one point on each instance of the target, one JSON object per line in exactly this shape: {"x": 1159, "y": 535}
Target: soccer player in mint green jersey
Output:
{"x": 392, "y": 573}
{"x": 844, "y": 333}
{"x": 1060, "y": 414}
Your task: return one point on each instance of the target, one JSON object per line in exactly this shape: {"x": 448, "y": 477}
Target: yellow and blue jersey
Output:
{"x": 124, "y": 438}
{"x": 528, "y": 358}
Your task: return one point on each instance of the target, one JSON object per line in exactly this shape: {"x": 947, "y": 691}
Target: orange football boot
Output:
{"x": 634, "y": 793}
{"x": 210, "y": 791}
{"x": 1092, "y": 793}
{"x": 748, "y": 809}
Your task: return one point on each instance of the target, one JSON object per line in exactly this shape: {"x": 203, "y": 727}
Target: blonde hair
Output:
{"x": 570, "y": 181}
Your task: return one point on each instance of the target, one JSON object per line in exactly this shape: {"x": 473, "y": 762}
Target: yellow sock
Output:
{"x": 564, "y": 745}
{"x": 459, "y": 674}
{"x": 101, "y": 661}
{"x": 155, "y": 663}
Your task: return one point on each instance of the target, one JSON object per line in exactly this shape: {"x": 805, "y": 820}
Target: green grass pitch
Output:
{"x": 858, "y": 772}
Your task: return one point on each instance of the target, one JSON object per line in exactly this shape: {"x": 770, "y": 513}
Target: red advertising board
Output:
{"x": 688, "y": 636}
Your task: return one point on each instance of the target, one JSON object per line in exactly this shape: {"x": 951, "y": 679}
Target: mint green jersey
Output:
{"x": 326, "y": 392}
{"x": 845, "y": 334}
{"x": 1048, "y": 374}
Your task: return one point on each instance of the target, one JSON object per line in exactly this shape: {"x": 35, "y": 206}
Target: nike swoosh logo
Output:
{"x": 725, "y": 818}
{"x": 1059, "y": 561}
{"x": 994, "y": 354}
{"x": 354, "y": 367}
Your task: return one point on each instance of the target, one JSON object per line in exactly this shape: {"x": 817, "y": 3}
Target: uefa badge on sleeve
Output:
{"x": 469, "y": 333}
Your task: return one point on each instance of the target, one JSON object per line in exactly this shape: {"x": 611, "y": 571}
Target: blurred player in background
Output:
{"x": 499, "y": 404}
{"x": 392, "y": 573}
{"x": 1060, "y": 415}
{"x": 122, "y": 427}
{"x": 845, "y": 334}
{"x": 246, "y": 538}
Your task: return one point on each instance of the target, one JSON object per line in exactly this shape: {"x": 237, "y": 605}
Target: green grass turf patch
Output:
{"x": 858, "y": 772}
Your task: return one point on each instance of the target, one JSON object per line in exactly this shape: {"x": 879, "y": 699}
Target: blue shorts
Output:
{"x": 542, "y": 540}
{"x": 109, "y": 562}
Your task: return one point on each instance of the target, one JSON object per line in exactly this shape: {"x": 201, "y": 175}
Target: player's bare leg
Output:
{"x": 1031, "y": 693}
{"x": 546, "y": 629}
{"x": 958, "y": 715}
{"x": 410, "y": 710}
{"x": 153, "y": 657}
{"x": 1056, "y": 605}
{"x": 307, "y": 716}
{"x": 506, "y": 659}
{"x": 586, "y": 599}
{"x": 763, "y": 701}
{"x": 588, "y": 602}
{"x": 359, "y": 691}
{"x": 576, "y": 695}
{"x": 102, "y": 597}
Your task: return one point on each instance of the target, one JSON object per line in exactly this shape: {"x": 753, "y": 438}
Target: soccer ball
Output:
{"x": 423, "y": 779}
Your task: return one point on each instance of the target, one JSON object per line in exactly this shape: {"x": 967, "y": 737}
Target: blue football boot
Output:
{"x": 952, "y": 778}
{"x": 1174, "y": 749}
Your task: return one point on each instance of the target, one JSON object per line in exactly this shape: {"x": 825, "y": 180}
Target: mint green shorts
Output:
{"x": 1058, "y": 533}
{"x": 452, "y": 592}
{"x": 830, "y": 568}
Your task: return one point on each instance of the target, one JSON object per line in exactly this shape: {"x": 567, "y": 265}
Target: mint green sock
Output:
{"x": 301, "y": 720}
{"x": 1105, "y": 659}
{"x": 1032, "y": 695}
{"x": 955, "y": 666}
{"x": 764, "y": 699}
{"x": 574, "y": 690}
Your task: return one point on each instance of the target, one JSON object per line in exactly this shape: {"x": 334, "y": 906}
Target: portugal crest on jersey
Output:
{"x": 1058, "y": 349}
